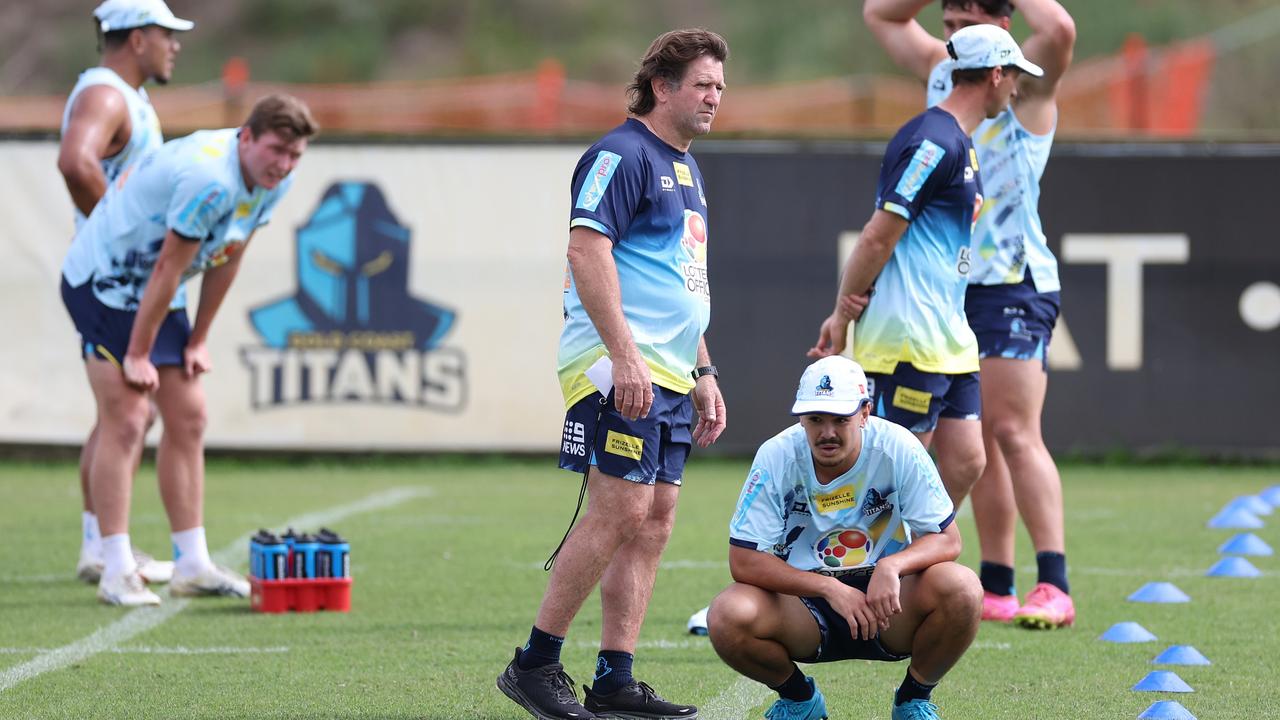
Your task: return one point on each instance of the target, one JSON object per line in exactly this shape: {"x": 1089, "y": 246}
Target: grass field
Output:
{"x": 447, "y": 558}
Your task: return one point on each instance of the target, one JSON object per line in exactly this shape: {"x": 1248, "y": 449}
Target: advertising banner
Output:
{"x": 402, "y": 298}
{"x": 408, "y": 297}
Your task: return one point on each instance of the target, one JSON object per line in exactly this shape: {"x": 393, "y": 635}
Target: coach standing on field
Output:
{"x": 637, "y": 294}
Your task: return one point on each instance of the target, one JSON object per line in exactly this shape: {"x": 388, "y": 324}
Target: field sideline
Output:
{"x": 447, "y": 557}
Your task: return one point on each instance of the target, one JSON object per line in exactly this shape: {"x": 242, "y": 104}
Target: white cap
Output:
{"x": 835, "y": 385}
{"x": 128, "y": 14}
{"x": 982, "y": 46}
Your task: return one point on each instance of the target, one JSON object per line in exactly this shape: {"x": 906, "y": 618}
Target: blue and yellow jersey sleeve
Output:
{"x": 912, "y": 176}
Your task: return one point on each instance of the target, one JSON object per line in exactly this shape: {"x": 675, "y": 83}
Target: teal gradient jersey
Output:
{"x": 191, "y": 185}
{"x": 1008, "y": 239}
{"x": 648, "y": 199}
{"x": 891, "y": 495}
{"x": 929, "y": 177}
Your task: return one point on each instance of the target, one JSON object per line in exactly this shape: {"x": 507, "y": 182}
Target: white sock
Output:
{"x": 190, "y": 552}
{"x": 117, "y": 556}
{"x": 90, "y": 538}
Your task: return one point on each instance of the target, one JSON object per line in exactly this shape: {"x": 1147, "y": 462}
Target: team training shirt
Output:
{"x": 647, "y": 198}
{"x": 1008, "y": 238}
{"x": 890, "y": 496}
{"x": 929, "y": 176}
{"x": 192, "y": 186}
{"x": 144, "y": 131}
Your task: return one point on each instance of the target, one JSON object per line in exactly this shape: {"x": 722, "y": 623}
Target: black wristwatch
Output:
{"x": 705, "y": 370}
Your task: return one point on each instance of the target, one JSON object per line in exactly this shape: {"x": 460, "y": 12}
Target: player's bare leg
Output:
{"x": 627, "y": 583}
{"x": 625, "y": 590}
{"x": 86, "y": 460}
{"x": 89, "y": 566}
{"x": 180, "y": 456}
{"x": 957, "y": 444}
{"x": 939, "y": 619}
{"x": 122, "y": 414}
{"x": 994, "y": 509}
{"x": 180, "y": 465}
{"x": 996, "y": 515}
{"x": 616, "y": 510}
{"x": 1017, "y": 391}
{"x": 757, "y": 632}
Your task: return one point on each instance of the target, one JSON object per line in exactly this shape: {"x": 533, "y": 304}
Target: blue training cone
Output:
{"x": 1162, "y": 681}
{"x": 1245, "y": 544}
{"x": 1235, "y": 519}
{"x": 1251, "y": 503}
{"x": 1233, "y": 567}
{"x": 1181, "y": 655}
{"x": 1159, "y": 592}
{"x": 1127, "y": 632}
{"x": 1166, "y": 710}
{"x": 1271, "y": 495}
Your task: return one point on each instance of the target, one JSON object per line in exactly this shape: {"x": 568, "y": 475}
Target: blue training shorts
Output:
{"x": 1012, "y": 321}
{"x": 836, "y": 640}
{"x": 104, "y": 331}
{"x": 646, "y": 450}
{"x": 915, "y": 399}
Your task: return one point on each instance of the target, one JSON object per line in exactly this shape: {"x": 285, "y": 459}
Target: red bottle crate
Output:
{"x": 300, "y": 594}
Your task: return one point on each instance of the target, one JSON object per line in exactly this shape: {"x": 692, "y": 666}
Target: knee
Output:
{"x": 1010, "y": 433}
{"x": 962, "y": 469}
{"x": 660, "y": 522}
{"x": 626, "y": 520}
{"x": 732, "y": 614}
{"x": 188, "y": 424}
{"x": 971, "y": 462}
{"x": 124, "y": 425}
{"x": 956, "y": 590}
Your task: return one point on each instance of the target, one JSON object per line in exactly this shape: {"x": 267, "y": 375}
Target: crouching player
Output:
{"x": 843, "y": 547}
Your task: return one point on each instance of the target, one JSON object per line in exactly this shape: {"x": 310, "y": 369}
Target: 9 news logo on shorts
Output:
{"x": 351, "y": 332}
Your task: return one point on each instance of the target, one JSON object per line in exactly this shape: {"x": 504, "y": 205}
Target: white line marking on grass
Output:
{"x": 26, "y": 579}
{"x": 141, "y": 620}
{"x": 160, "y": 650}
{"x": 990, "y": 645}
{"x": 735, "y": 701}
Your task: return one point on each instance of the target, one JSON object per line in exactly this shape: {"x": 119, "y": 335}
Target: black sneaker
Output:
{"x": 546, "y": 692}
{"x": 636, "y": 701}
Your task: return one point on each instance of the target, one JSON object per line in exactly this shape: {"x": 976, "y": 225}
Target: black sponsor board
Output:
{"x": 1186, "y": 234}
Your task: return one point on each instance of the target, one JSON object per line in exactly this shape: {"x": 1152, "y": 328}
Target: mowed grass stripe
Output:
{"x": 141, "y": 620}
{"x": 442, "y": 596}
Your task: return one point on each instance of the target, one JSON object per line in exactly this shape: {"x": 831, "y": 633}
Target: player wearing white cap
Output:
{"x": 843, "y": 547}
{"x": 1012, "y": 301}
{"x": 107, "y": 124}
{"x": 913, "y": 338}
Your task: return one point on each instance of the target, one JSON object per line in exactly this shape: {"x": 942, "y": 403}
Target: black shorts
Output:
{"x": 836, "y": 640}
{"x": 1012, "y": 321}
{"x": 104, "y": 331}
{"x": 645, "y": 450}
{"x": 916, "y": 399}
